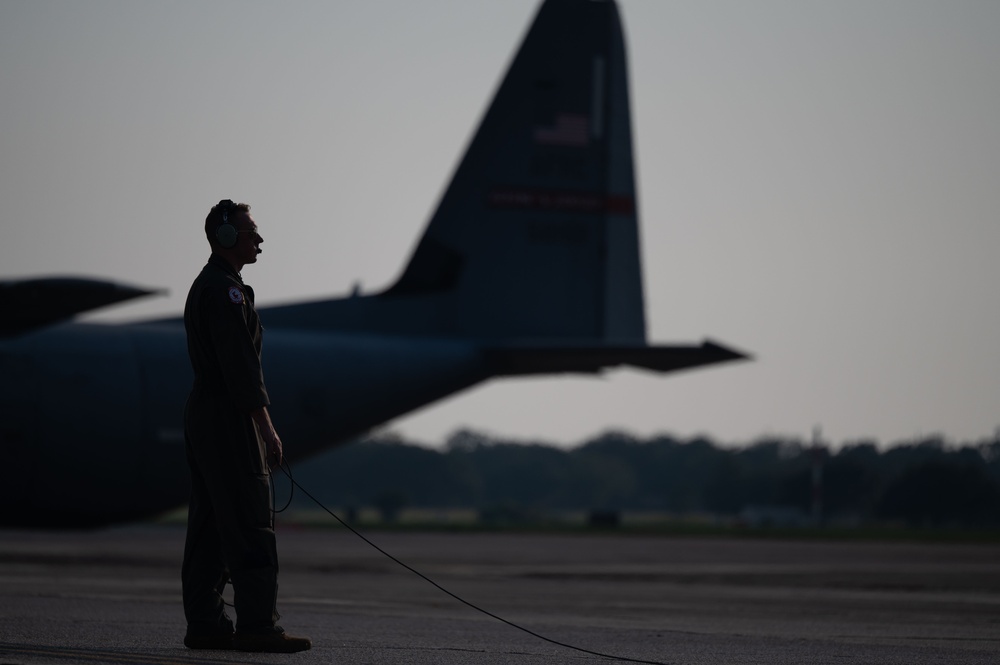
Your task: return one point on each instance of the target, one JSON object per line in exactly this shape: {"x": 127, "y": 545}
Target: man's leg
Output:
{"x": 204, "y": 573}
{"x": 252, "y": 554}
{"x": 254, "y": 569}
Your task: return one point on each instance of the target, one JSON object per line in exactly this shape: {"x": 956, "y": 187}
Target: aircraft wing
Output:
{"x": 521, "y": 360}
{"x": 27, "y": 304}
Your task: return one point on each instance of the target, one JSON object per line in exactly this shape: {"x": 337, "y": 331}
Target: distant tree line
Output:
{"x": 920, "y": 483}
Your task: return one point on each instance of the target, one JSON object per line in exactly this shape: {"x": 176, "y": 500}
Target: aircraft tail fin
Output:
{"x": 533, "y": 250}
{"x": 537, "y": 234}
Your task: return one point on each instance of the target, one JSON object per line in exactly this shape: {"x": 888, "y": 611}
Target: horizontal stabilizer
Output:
{"x": 517, "y": 360}
{"x": 27, "y": 304}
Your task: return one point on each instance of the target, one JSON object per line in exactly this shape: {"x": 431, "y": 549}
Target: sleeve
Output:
{"x": 233, "y": 344}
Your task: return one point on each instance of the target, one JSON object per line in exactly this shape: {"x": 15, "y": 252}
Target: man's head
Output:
{"x": 232, "y": 233}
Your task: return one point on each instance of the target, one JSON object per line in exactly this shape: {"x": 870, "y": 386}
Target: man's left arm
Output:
{"x": 262, "y": 417}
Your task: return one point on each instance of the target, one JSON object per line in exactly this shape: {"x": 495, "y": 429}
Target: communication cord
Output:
{"x": 288, "y": 473}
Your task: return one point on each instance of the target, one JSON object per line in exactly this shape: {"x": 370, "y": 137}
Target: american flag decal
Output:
{"x": 569, "y": 129}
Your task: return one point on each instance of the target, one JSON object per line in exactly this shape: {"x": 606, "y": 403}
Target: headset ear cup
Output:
{"x": 226, "y": 235}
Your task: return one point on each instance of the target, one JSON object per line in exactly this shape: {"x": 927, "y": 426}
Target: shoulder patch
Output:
{"x": 236, "y": 295}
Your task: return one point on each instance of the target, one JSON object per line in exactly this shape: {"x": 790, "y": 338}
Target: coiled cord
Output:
{"x": 294, "y": 484}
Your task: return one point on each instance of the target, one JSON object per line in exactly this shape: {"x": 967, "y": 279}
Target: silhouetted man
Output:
{"x": 231, "y": 447}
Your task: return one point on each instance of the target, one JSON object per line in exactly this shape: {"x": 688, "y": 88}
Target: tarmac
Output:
{"x": 113, "y": 596}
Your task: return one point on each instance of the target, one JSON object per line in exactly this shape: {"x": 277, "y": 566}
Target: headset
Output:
{"x": 226, "y": 234}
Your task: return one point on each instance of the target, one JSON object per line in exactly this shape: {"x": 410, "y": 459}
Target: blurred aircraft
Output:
{"x": 530, "y": 265}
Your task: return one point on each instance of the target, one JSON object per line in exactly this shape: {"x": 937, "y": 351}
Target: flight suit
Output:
{"x": 230, "y": 533}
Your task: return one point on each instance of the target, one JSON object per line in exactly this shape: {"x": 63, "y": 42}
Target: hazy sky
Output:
{"x": 819, "y": 184}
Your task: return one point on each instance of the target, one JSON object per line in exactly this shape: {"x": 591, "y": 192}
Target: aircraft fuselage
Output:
{"x": 92, "y": 415}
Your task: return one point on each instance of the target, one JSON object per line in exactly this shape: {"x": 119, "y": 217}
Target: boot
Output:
{"x": 270, "y": 641}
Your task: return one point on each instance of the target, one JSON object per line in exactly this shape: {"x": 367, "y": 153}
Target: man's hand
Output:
{"x": 274, "y": 451}
{"x": 272, "y": 442}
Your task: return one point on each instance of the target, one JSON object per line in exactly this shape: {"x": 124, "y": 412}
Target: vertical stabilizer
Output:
{"x": 537, "y": 236}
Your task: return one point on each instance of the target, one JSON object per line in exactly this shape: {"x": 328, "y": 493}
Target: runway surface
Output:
{"x": 113, "y": 596}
